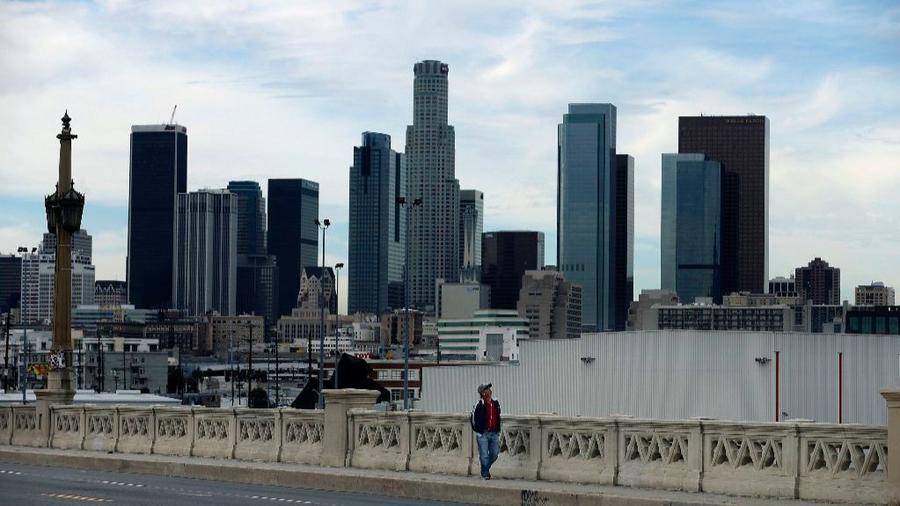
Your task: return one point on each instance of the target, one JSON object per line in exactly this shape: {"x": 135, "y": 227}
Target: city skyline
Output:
{"x": 247, "y": 121}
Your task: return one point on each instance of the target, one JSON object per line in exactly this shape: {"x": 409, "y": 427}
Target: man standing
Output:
{"x": 486, "y": 424}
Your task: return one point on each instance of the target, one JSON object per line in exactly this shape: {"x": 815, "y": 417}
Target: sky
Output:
{"x": 285, "y": 88}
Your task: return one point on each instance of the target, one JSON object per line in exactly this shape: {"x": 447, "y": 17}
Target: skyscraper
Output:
{"x": 586, "y": 209}
{"x": 818, "y": 282}
{"x": 257, "y": 272}
{"x": 377, "y": 247}
{"x": 430, "y": 152}
{"x": 505, "y": 257}
{"x": 205, "y": 252}
{"x": 624, "y": 214}
{"x": 158, "y": 171}
{"x": 39, "y": 274}
{"x": 10, "y": 282}
{"x": 471, "y": 226}
{"x": 741, "y": 145}
{"x": 293, "y": 234}
{"x": 691, "y": 233}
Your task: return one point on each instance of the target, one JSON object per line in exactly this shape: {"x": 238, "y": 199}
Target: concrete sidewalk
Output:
{"x": 397, "y": 484}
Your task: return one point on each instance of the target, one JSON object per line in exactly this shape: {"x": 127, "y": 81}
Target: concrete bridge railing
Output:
{"x": 797, "y": 460}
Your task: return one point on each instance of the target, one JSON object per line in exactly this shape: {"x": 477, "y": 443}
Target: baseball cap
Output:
{"x": 483, "y": 387}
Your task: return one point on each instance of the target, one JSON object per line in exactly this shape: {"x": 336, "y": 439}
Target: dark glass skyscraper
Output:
{"x": 293, "y": 235}
{"x": 471, "y": 227}
{"x": 157, "y": 173}
{"x": 377, "y": 248}
{"x": 257, "y": 272}
{"x": 586, "y": 209}
{"x": 10, "y": 282}
{"x": 505, "y": 256}
{"x": 741, "y": 145}
{"x": 624, "y": 240}
{"x": 691, "y": 233}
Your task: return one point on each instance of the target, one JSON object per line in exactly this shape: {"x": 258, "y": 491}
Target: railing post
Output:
{"x": 892, "y": 398}
{"x": 337, "y": 403}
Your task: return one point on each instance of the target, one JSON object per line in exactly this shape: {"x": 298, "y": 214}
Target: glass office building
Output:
{"x": 691, "y": 233}
{"x": 586, "y": 196}
{"x": 292, "y": 234}
{"x": 157, "y": 173}
{"x": 377, "y": 247}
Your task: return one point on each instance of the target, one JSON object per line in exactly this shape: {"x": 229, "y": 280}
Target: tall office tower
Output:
{"x": 82, "y": 244}
{"x": 257, "y": 272}
{"x": 819, "y": 283}
{"x": 157, "y": 172}
{"x": 293, "y": 237}
{"x": 430, "y": 157}
{"x": 205, "y": 252}
{"x": 741, "y": 145}
{"x": 551, "y": 305}
{"x": 505, "y": 256}
{"x": 377, "y": 248}
{"x": 875, "y": 294}
{"x": 691, "y": 233}
{"x": 109, "y": 292}
{"x": 586, "y": 210}
{"x": 10, "y": 282}
{"x": 471, "y": 226}
{"x": 37, "y": 282}
{"x": 624, "y": 219}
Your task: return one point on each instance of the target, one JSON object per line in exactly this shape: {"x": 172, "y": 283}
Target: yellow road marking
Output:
{"x": 77, "y": 497}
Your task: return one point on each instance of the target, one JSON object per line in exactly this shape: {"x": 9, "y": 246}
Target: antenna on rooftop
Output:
{"x": 172, "y": 118}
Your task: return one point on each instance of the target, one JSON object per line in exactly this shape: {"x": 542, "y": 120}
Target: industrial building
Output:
{"x": 681, "y": 374}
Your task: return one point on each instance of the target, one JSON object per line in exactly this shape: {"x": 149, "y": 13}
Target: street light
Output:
{"x": 409, "y": 208}
{"x": 323, "y": 226}
{"x": 337, "y": 338}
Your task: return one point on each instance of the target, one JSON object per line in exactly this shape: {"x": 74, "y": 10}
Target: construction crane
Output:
{"x": 172, "y": 118}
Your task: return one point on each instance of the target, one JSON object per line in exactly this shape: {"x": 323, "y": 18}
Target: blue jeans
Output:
{"x": 488, "y": 450}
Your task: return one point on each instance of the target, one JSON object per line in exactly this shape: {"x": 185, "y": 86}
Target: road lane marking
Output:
{"x": 77, "y": 498}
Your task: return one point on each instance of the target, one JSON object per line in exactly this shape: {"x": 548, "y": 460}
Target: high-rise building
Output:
{"x": 624, "y": 219}
{"x": 587, "y": 213}
{"x": 782, "y": 286}
{"x": 471, "y": 226}
{"x": 874, "y": 294}
{"x": 256, "y": 272}
{"x": 430, "y": 154}
{"x": 691, "y": 233}
{"x": 10, "y": 282}
{"x": 741, "y": 145}
{"x": 157, "y": 172}
{"x": 377, "y": 239}
{"x": 110, "y": 293}
{"x": 819, "y": 283}
{"x": 293, "y": 234}
{"x": 505, "y": 257}
{"x": 551, "y": 305}
{"x": 82, "y": 244}
{"x": 205, "y": 252}
{"x": 38, "y": 278}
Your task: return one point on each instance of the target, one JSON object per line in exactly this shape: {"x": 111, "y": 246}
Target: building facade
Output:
{"x": 884, "y": 319}
{"x": 818, "y": 282}
{"x": 691, "y": 231}
{"x": 461, "y": 300}
{"x": 471, "y": 227}
{"x": 37, "y": 283}
{"x": 377, "y": 235}
{"x": 490, "y": 335}
{"x": 551, "y": 305}
{"x": 292, "y": 234}
{"x": 782, "y": 286}
{"x": 206, "y": 252}
{"x": 641, "y": 315}
{"x": 624, "y": 217}
{"x": 257, "y": 272}
{"x": 741, "y": 145}
{"x": 714, "y": 317}
{"x": 586, "y": 210}
{"x": 316, "y": 283}
{"x": 109, "y": 292}
{"x": 431, "y": 155}
{"x": 251, "y": 217}
{"x": 10, "y": 282}
{"x": 874, "y": 294}
{"x": 505, "y": 256}
{"x": 157, "y": 173}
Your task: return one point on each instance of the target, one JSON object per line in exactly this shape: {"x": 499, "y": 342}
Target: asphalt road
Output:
{"x": 25, "y": 485}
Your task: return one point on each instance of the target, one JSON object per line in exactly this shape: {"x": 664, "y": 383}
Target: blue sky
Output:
{"x": 284, "y": 89}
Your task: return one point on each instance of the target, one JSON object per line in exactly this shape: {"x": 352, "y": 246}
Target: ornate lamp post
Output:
{"x": 323, "y": 226}
{"x": 64, "y": 209}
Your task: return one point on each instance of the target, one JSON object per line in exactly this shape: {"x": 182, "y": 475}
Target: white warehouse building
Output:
{"x": 681, "y": 374}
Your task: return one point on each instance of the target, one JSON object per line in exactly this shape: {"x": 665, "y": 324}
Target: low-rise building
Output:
{"x": 874, "y": 294}
{"x": 490, "y": 335}
{"x": 873, "y": 320}
{"x": 776, "y": 318}
{"x": 461, "y": 300}
{"x": 641, "y": 315}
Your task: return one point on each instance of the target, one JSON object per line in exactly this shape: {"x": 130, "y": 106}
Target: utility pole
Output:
{"x": 250, "y": 363}
{"x": 231, "y": 364}
{"x": 23, "y": 378}
{"x": 277, "y": 380}
{"x": 321, "y": 399}
{"x": 6, "y": 357}
{"x": 409, "y": 209}
{"x": 337, "y": 338}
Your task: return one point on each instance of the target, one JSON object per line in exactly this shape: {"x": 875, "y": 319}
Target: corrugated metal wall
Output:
{"x": 681, "y": 374}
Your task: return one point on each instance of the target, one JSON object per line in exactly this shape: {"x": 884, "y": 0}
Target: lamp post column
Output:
{"x": 337, "y": 326}
{"x": 320, "y": 402}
